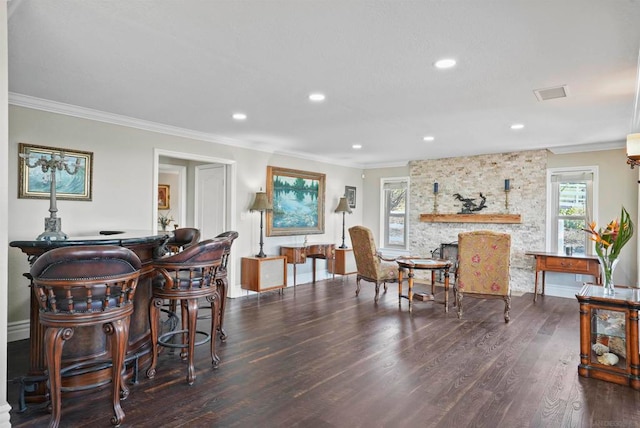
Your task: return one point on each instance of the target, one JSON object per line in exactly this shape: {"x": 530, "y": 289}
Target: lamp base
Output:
{"x": 261, "y": 254}
{"x": 52, "y": 230}
{"x": 343, "y": 246}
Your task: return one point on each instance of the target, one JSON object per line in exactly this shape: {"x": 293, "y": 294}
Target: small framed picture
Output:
{"x": 350, "y": 193}
{"x": 163, "y": 197}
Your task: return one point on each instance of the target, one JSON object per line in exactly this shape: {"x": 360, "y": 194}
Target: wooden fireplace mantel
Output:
{"x": 471, "y": 218}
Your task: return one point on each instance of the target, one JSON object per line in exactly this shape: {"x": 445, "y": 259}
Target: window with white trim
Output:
{"x": 395, "y": 221}
{"x": 571, "y": 204}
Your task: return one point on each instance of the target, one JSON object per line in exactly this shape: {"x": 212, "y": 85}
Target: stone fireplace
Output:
{"x": 469, "y": 177}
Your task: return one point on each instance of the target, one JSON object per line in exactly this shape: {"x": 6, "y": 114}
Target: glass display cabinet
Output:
{"x": 609, "y": 348}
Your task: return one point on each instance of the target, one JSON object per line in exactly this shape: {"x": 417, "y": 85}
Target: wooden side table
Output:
{"x": 344, "y": 262}
{"x": 553, "y": 262}
{"x": 263, "y": 273}
{"x": 429, "y": 264}
{"x": 609, "y": 326}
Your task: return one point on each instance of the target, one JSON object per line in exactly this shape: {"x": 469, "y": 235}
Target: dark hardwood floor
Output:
{"x": 321, "y": 357}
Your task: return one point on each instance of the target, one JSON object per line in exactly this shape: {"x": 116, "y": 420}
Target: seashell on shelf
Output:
{"x": 618, "y": 346}
{"x": 599, "y": 348}
{"x": 608, "y": 359}
{"x": 602, "y": 339}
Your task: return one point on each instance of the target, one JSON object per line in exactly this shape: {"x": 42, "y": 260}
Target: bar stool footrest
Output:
{"x": 163, "y": 339}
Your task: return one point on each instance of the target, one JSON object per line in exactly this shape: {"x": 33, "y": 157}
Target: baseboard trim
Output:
{"x": 566, "y": 291}
{"x": 17, "y": 330}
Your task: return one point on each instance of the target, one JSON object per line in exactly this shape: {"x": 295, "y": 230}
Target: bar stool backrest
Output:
{"x": 95, "y": 278}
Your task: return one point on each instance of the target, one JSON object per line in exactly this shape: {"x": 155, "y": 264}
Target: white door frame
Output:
{"x": 231, "y": 173}
{"x": 181, "y": 171}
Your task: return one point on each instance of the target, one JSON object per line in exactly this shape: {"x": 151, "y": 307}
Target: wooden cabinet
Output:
{"x": 343, "y": 263}
{"x": 263, "y": 273}
{"x": 609, "y": 348}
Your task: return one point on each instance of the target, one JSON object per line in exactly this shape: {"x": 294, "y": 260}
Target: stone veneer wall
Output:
{"x": 484, "y": 174}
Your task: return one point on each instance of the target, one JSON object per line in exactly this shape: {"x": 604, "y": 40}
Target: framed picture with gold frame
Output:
{"x": 164, "y": 197}
{"x": 34, "y": 183}
{"x": 298, "y": 202}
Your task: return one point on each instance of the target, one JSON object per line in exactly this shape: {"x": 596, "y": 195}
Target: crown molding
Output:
{"x": 594, "y": 147}
{"x": 35, "y": 103}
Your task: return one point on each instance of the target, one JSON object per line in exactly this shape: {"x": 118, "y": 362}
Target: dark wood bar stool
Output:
{"x": 183, "y": 238}
{"x": 222, "y": 281}
{"x": 185, "y": 277}
{"x": 79, "y": 287}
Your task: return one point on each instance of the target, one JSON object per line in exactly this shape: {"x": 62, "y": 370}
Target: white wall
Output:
{"x": 123, "y": 191}
{"x": 618, "y": 186}
{"x": 4, "y": 197}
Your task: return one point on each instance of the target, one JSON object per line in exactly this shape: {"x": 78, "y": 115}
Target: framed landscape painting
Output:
{"x": 298, "y": 202}
{"x": 74, "y": 184}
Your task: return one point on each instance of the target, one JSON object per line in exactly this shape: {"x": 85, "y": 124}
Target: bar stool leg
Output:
{"x": 54, "y": 339}
{"x": 191, "y": 306}
{"x": 222, "y": 290}
{"x": 119, "y": 332}
{"x": 154, "y": 319}
{"x": 215, "y": 308}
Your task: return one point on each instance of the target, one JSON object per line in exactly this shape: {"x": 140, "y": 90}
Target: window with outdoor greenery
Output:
{"x": 395, "y": 199}
{"x": 571, "y": 208}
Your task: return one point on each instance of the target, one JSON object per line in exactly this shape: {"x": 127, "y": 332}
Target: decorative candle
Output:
{"x": 507, "y": 185}
{"x": 435, "y": 187}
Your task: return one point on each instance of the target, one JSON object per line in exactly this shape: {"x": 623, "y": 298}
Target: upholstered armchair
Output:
{"x": 371, "y": 265}
{"x": 483, "y": 268}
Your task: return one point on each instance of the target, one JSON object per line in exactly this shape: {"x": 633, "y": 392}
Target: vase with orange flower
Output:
{"x": 608, "y": 244}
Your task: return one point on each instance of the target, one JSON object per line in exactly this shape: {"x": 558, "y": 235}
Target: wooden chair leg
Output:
{"x": 507, "y": 308}
{"x": 119, "y": 333}
{"x": 459, "y": 304}
{"x": 222, "y": 291}
{"x": 54, "y": 339}
{"x": 191, "y": 306}
{"x": 154, "y": 319}
{"x": 215, "y": 307}
{"x": 358, "y": 285}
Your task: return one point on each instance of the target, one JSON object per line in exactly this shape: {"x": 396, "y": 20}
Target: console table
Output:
{"x": 554, "y": 262}
{"x": 297, "y": 254}
{"x": 83, "y": 346}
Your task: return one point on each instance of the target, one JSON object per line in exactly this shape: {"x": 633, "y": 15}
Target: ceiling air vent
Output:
{"x": 551, "y": 93}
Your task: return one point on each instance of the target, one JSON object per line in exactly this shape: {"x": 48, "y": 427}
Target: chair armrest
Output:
{"x": 386, "y": 259}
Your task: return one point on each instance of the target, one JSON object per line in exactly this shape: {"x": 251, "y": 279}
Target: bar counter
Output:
{"x": 88, "y": 343}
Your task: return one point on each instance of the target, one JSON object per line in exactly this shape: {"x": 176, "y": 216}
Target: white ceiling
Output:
{"x": 192, "y": 63}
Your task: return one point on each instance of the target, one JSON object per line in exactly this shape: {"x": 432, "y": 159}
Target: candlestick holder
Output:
{"x": 56, "y": 162}
{"x": 506, "y": 200}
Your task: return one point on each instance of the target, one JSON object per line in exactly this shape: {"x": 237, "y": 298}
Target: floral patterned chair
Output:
{"x": 371, "y": 265}
{"x": 483, "y": 268}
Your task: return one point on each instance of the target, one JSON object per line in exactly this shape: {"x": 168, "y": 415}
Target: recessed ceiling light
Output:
{"x": 445, "y": 63}
{"x": 316, "y": 97}
{"x": 239, "y": 116}
{"x": 357, "y": 146}
{"x": 428, "y": 138}
{"x": 517, "y": 126}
